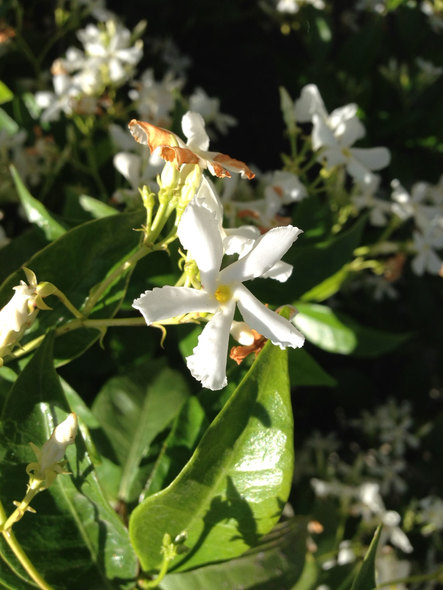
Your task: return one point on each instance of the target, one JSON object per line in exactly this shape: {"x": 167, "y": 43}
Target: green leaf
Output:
{"x": 275, "y": 563}
{"x": 365, "y": 579}
{"x": 132, "y": 410}
{"x": 336, "y": 332}
{"x": 75, "y": 263}
{"x": 177, "y": 449}
{"x": 7, "y": 123}
{"x": 328, "y": 287}
{"x": 95, "y": 207}
{"x": 19, "y": 250}
{"x": 75, "y": 539}
{"x": 234, "y": 487}
{"x": 304, "y": 370}
{"x": 6, "y": 95}
{"x": 35, "y": 211}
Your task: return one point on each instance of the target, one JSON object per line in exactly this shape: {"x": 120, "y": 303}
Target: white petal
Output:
{"x": 350, "y": 131}
{"x": 208, "y": 361}
{"x": 193, "y": 126}
{"x": 322, "y": 135}
{"x": 207, "y": 197}
{"x": 199, "y": 233}
{"x": 167, "y": 302}
{"x": 240, "y": 240}
{"x": 359, "y": 172}
{"x": 281, "y": 271}
{"x": 373, "y": 158}
{"x": 267, "y": 250}
{"x": 129, "y": 166}
{"x": 310, "y": 102}
{"x": 266, "y": 322}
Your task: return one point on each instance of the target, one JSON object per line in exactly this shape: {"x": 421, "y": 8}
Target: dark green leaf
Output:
{"x": 75, "y": 263}
{"x": 234, "y": 487}
{"x": 304, "y": 370}
{"x": 177, "y": 449}
{"x": 35, "y": 211}
{"x": 75, "y": 539}
{"x": 336, "y": 332}
{"x": 132, "y": 410}
{"x": 365, "y": 579}
{"x": 19, "y": 250}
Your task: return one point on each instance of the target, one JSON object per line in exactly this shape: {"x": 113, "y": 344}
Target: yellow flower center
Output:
{"x": 223, "y": 293}
{"x": 346, "y": 152}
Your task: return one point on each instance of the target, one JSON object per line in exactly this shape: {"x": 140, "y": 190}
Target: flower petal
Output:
{"x": 310, "y": 102}
{"x": 208, "y": 361}
{"x": 193, "y": 126}
{"x": 199, "y": 233}
{"x": 268, "y": 249}
{"x": 281, "y": 271}
{"x": 373, "y": 158}
{"x": 166, "y": 302}
{"x": 266, "y": 322}
{"x": 150, "y": 135}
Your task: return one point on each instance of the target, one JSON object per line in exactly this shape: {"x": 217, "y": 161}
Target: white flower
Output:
{"x": 418, "y": 204}
{"x": 388, "y": 568}
{"x": 335, "y": 133}
{"x": 430, "y": 514}
{"x": 426, "y": 259}
{"x": 222, "y": 290}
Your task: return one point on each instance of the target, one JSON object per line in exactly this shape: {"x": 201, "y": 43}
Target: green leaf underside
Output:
{"x": 234, "y": 487}
{"x": 75, "y": 535}
{"x": 75, "y": 263}
{"x": 275, "y": 563}
{"x": 336, "y": 332}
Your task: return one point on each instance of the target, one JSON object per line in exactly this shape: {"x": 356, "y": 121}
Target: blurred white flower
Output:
{"x": 222, "y": 291}
{"x": 426, "y": 258}
{"x": 388, "y": 567}
{"x": 154, "y": 101}
{"x": 430, "y": 514}
{"x": 293, "y": 6}
{"x": 364, "y": 197}
{"x": 334, "y": 134}
{"x": 209, "y": 109}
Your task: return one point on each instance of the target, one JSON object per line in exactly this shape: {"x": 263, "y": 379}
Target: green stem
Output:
{"x": 24, "y": 560}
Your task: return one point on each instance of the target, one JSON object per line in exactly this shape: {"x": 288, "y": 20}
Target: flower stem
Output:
{"x": 19, "y": 553}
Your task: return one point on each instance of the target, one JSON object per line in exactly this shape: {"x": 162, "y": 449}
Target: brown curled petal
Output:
{"x": 150, "y": 135}
{"x": 234, "y": 165}
{"x": 178, "y": 155}
{"x": 217, "y": 170}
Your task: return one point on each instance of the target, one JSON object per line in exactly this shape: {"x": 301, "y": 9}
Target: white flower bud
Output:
{"x": 17, "y": 315}
{"x": 54, "y": 449}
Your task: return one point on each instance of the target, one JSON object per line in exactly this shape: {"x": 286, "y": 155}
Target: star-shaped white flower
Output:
{"x": 336, "y": 132}
{"x": 222, "y": 290}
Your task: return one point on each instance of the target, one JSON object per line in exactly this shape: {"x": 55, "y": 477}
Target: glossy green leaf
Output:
{"x": 275, "y": 563}
{"x": 75, "y": 539}
{"x": 187, "y": 430}
{"x": 304, "y": 370}
{"x": 365, "y": 579}
{"x": 310, "y": 574}
{"x": 336, "y": 332}
{"x": 234, "y": 487}
{"x": 75, "y": 263}
{"x": 132, "y": 410}
{"x": 35, "y": 211}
